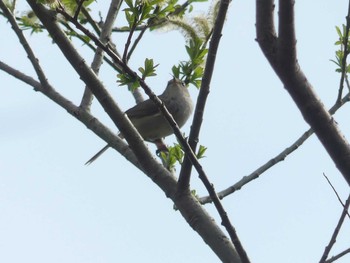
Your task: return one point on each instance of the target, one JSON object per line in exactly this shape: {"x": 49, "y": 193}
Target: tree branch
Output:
{"x": 98, "y": 58}
{"x": 283, "y": 61}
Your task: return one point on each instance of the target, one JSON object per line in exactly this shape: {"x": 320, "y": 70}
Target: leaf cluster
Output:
{"x": 191, "y": 71}
{"x": 176, "y": 154}
{"x": 197, "y": 30}
{"x": 148, "y": 70}
{"x": 147, "y": 12}
{"x": 340, "y": 53}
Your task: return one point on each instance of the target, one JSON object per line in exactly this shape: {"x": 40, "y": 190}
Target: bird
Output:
{"x": 150, "y": 121}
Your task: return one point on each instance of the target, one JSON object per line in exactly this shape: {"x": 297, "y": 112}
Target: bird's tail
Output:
{"x": 93, "y": 158}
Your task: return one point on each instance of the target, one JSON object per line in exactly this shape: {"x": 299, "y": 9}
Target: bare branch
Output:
{"x": 91, "y": 21}
{"x": 336, "y": 193}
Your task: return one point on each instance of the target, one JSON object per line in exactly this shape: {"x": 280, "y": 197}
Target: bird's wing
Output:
{"x": 145, "y": 108}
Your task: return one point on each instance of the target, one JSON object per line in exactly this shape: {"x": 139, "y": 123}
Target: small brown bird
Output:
{"x": 149, "y": 120}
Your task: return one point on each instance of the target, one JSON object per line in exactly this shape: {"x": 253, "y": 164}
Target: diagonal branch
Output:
{"x": 278, "y": 158}
{"x": 86, "y": 118}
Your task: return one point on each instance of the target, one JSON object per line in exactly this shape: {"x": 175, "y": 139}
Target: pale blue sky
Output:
{"x": 54, "y": 209}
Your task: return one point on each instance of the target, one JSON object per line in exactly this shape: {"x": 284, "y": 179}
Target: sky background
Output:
{"x": 54, "y": 209}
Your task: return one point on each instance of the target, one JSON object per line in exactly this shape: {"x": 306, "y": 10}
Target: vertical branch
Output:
{"x": 185, "y": 174}
{"x": 265, "y": 28}
{"x": 128, "y": 42}
{"x": 286, "y": 34}
{"x": 184, "y": 178}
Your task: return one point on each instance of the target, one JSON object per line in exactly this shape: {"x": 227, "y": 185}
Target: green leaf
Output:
{"x": 149, "y": 69}
{"x": 202, "y": 149}
{"x": 175, "y": 154}
{"x": 129, "y": 3}
{"x": 338, "y": 31}
{"x": 176, "y": 71}
{"x": 125, "y": 79}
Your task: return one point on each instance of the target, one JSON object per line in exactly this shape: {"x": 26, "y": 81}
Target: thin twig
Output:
{"x": 136, "y": 42}
{"x": 336, "y": 232}
{"x": 91, "y": 21}
{"x": 336, "y": 193}
{"x": 24, "y": 43}
{"x": 128, "y": 42}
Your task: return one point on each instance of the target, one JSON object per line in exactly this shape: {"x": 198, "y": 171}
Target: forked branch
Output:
{"x": 280, "y": 51}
